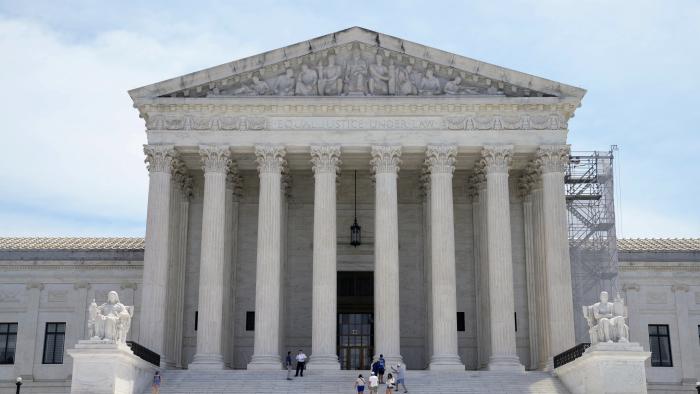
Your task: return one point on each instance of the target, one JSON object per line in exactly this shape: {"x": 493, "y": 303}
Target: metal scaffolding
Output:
{"x": 592, "y": 241}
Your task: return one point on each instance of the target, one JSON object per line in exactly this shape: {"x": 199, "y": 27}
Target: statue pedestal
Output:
{"x": 606, "y": 368}
{"x": 101, "y": 367}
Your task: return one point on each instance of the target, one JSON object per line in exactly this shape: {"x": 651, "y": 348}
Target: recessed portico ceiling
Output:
{"x": 416, "y": 69}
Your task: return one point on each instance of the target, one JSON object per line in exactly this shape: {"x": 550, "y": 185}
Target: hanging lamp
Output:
{"x": 355, "y": 229}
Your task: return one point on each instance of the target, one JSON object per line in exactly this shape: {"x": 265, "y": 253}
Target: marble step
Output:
{"x": 219, "y": 382}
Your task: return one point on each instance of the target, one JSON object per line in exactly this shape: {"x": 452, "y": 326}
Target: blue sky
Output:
{"x": 71, "y": 163}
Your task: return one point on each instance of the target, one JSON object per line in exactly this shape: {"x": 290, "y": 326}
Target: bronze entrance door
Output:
{"x": 355, "y": 340}
{"x": 355, "y": 319}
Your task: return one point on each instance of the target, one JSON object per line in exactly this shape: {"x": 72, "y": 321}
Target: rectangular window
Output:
{"x": 53, "y": 343}
{"x": 460, "y": 321}
{"x": 196, "y": 319}
{"x": 250, "y": 321}
{"x": 8, "y": 342}
{"x": 660, "y": 345}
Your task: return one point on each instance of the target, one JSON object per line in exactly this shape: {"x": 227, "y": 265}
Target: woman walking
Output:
{"x": 360, "y": 384}
{"x": 390, "y": 382}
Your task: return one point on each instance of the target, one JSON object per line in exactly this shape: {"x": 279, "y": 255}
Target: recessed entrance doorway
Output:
{"x": 355, "y": 319}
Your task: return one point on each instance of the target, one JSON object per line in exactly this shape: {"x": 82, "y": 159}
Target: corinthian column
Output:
{"x": 268, "y": 273}
{"x": 215, "y": 160}
{"x": 440, "y": 162}
{"x": 387, "y": 331}
{"x": 325, "y": 159}
{"x": 156, "y": 255}
{"x": 496, "y": 161}
{"x": 553, "y": 161}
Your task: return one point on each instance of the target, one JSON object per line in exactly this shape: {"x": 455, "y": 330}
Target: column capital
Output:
{"x": 528, "y": 180}
{"x": 385, "y": 159}
{"x": 234, "y": 181}
{"x": 215, "y": 158}
{"x": 440, "y": 159}
{"x": 475, "y": 183}
{"x": 424, "y": 180}
{"x": 270, "y": 158}
{"x": 159, "y": 158}
{"x": 496, "y": 158}
{"x": 553, "y": 158}
{"x": 325, "y": 158}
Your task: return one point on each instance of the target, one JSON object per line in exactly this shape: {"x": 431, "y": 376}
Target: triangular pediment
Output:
{"x": 357, "y": 62}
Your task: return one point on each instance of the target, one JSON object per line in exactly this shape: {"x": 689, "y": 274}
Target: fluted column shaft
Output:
{"x": 484, "y": 270}
{"x": 541, "y": 298}
{"x": 503, "y": 348}
{"x": 387, "y": 330}
{"x": 440, "y": 161}
{"x": 156, "y": 254}
{"x": 268, "y": 267}
{"x": 530, "y": 279}
{"x": 553, "y": 161}
{"x": 325, "y": 159}
{"x": 209, "y": 355}
{"x": 179, "y": 206}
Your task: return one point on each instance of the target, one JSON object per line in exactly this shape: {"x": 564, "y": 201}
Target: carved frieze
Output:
{"x": 356, "y": 69}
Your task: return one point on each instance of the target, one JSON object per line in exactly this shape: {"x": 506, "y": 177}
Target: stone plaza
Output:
{"x": 352, "y": 195}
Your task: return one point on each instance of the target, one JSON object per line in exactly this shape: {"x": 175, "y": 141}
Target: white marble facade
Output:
{"x": 258, "y": 151}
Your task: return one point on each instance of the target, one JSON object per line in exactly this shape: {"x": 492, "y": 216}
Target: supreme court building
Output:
{"x": 452, "y": 168}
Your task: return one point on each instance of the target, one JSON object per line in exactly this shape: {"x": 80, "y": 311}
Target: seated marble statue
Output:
{"x": 110, "y": 321}
{"x": 606, "y": 320}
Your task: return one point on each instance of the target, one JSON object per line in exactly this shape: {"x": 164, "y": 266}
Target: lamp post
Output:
{"x": 19, "y": 383}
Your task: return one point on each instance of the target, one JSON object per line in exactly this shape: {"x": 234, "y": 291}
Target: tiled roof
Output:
{"x": 71, "y": 243}
{"x": 658, "y": 244}
{"x": 136, "y": 243}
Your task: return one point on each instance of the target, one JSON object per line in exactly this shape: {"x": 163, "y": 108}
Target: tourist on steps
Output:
{"x": 360, "y": 384}
{"x": 301, "y": 363}
{"x": 373, "y": 383}
{"x": 155, "y": 387}
{"x": 400, "y": 377}
{"x": 381, "y": 367}
{"x": 288, "y": 363}
{"x": 389, "y": 384}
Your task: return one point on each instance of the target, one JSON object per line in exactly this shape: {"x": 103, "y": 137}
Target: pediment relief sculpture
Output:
{"x": 356, "y": 70}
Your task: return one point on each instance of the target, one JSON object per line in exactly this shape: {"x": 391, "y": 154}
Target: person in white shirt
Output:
{"x": 373, "y": 383}
{"x": 301, "y": 362}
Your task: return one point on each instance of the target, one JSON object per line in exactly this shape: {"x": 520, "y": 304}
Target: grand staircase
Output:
{"x": 417, "y": 382}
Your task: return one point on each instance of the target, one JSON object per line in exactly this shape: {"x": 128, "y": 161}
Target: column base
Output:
{"x": 505, "y": 363}
{"x": 265, "y": 363}
{"x": 207, "y": 361}
{"x": 326, "y": 362}
{"x": 446, "y": 363}
{"x": 390, "y": 360}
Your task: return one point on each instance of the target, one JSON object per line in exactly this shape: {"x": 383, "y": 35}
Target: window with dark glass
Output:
{"x": 460, "y": 321}
{"x": 54, "y": 339}
{"x": 8, "y": 342}
{"x": 250, "y": 321}
{"x": 660, "y": 345}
